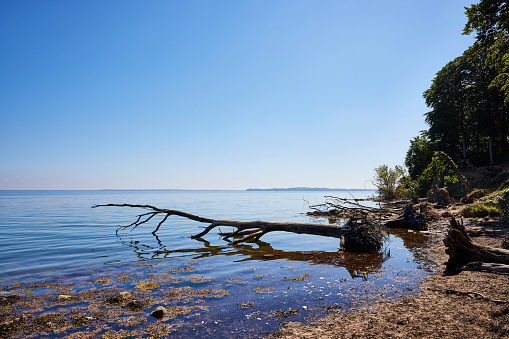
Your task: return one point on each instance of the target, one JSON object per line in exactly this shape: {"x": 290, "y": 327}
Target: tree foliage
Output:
{"x": 469, "y": 119}
{"x": 437, "y": 172}
{"x": 419, "y": 154}
{"x": 446, "y": 97}
{"x": 500, "y": 58}
{"x": 469, "y": 97}
{"x": 387, "y": 180}
{"x": 489, "y": 19}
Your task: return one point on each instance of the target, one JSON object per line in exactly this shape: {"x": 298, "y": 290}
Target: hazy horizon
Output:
{"x": 294, "y": 189}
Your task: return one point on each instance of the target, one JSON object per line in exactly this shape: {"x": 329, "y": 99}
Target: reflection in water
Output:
{"x": 419, "y": 245}
{"x": 311, "y": 284}
{"x": 249, "y": 304}
{"x": 358, "y": 265}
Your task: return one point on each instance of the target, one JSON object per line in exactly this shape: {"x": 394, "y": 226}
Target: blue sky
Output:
{"x": 215, "y": 94}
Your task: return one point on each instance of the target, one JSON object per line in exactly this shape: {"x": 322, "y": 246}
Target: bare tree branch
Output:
{"x": 248, "y": 230}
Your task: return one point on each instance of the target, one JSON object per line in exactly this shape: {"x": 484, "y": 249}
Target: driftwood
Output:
{"x": 248, "y": 230}
{"x": 351, "y": 209}
{"x": 489, "y": 267}
{"x": 409, "y": 220}
{"x": 391, "y": 214}
{"x": 462, "y": 250}
{"x": 356, "y": 236}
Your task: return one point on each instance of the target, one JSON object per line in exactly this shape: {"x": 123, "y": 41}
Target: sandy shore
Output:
{"x": 442, "y": 309}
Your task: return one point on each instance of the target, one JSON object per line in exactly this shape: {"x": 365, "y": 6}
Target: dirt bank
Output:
{"x": 443, "y": 308}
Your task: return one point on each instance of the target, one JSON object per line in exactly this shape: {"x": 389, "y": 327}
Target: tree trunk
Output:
{"x": 490, "y": 142}
{"x": 464, "y": 150}
{"x": 462, "y": 250}
{"x": 248, "y": 230}
{"x": 464, "y": 142}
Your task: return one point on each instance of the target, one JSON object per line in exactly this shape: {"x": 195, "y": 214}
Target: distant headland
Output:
{"x": 306, "y": 189}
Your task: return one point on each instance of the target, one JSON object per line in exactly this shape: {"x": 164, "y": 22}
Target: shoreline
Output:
{"x": 447, "y": 305}
{"x": 81, "y": 305}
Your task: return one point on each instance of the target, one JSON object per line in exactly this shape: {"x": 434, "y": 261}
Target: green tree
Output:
{"x": 447, "y": 98}
{"x": 437, "y": 172}
{"x": 419, "y": 154}
{"x": 469, "y": 97}
{"x": 500, "y": 58}
{"x": 468, "y": 112}
{"x": 387, "y": 180}
{"x": 486, "y": 113}
{"x": 489, "y": 19}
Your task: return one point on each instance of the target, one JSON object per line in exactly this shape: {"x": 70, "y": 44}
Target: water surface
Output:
{"x": 57, "y": 236}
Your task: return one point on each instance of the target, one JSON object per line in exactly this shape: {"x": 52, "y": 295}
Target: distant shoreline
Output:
{"x": 290, "y": 189}
{"x": 309, "y": 189}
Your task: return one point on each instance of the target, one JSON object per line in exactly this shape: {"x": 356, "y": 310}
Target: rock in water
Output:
{"x": 63, "y": 297}
{"x": 119, "y": 298}
{"x": 8, "y": 299}
{"x": 159, "y": 312}
{"x": 136, "y": 305}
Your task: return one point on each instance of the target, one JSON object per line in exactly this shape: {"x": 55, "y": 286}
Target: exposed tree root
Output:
{"x": 462, "y": 250}
{"x": 392, "y": 214}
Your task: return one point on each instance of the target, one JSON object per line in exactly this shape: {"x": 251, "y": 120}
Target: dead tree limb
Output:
{"x": 352, "y": 209}
{"x": 247, "y": 230}
{"x": 462, "y": 250}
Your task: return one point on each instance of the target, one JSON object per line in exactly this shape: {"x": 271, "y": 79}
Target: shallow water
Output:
{"x": 55, "y": 235}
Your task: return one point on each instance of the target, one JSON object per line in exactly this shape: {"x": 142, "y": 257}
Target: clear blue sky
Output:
{"x": 215, "y": 94}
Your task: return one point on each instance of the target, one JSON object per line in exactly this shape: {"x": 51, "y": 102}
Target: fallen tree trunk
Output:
{"x": 248, "y": 230}
{"x": 355, "y": 236}
{"x": 462, "y": 250}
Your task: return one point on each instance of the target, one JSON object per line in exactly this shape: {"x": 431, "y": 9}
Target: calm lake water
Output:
{"x": 50, "y": 235}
